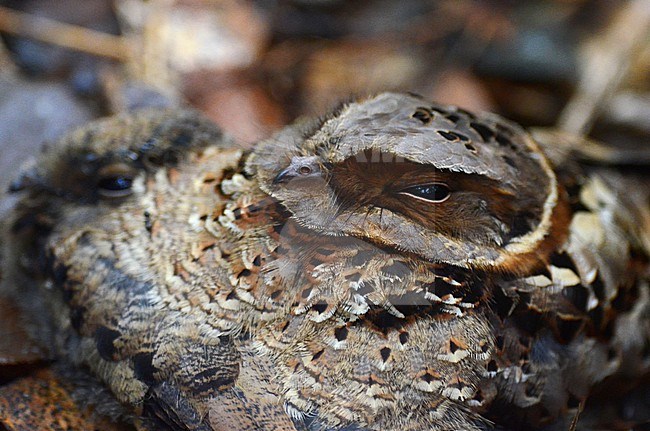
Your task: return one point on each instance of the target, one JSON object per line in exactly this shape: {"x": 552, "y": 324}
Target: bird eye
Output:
{"x": 116, "y": 186}
{"x": 115, "y": 181}
{"x": 304, "y": 170}
{"x": 436, "y": 192}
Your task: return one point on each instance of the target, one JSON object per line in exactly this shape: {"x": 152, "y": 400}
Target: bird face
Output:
{"x": 448, "y": 185}
{"x": 96, "y": 169}
{"x": 300, "y": 170}
{"x": 453, "y": 204}
{"x": 101, "y": 164}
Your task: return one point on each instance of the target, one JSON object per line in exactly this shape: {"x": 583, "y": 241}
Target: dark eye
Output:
{"x": 115, "y": 180}
{"x": 115, "y": 186}
{"x": 304, "y": 170}
{"x": 435, "y": 192}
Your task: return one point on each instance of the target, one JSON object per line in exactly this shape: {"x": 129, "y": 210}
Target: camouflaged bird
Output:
{"x": 397, "y": 265}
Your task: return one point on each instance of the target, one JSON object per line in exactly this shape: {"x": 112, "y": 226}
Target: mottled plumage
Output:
{"x": 397, "y": 265}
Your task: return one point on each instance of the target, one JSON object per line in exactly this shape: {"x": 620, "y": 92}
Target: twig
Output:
{"x": 574, "y": 422}
{"x": 62, "y": 34}
{"x": 559, "y": 145}
{"x": 605, "y": 65}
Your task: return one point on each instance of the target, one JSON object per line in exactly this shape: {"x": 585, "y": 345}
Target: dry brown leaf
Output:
{"x": 43, "y": 402}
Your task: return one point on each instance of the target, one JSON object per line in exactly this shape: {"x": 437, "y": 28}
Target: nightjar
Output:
{"x": 396, "y": 265}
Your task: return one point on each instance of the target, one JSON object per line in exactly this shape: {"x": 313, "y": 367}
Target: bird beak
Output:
{"x": 285, "y": 176}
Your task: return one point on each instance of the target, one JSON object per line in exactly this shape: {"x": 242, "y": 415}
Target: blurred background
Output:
{"x": 579, "y": 66}
{"x": 253, "y": 66}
